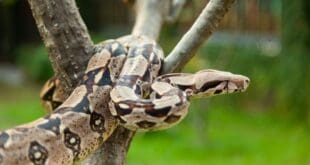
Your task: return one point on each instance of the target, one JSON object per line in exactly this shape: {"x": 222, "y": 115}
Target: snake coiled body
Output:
{"x": 120, "y": 86}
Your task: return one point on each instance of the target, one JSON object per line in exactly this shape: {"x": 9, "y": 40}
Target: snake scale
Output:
{"x": 120, "y": 86}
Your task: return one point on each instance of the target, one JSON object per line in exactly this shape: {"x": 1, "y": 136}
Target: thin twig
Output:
{"x": 200, "y": 31}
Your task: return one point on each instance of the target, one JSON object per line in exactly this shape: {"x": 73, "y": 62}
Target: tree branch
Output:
{"x": 200, "y": 31}
{"x": 66, "y": 38}
{"x": 176, "y": 7}
{"x": 114, "y": 150}
{"x": 150, "y": 15}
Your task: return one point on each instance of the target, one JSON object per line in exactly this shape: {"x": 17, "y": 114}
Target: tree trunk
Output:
{"x": 65, "y": 36}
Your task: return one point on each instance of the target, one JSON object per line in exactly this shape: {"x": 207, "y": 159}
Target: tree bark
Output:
{"x": 114, "y": 150}
{"x": 65, "y": 36}
{"x": 149, "y": 17}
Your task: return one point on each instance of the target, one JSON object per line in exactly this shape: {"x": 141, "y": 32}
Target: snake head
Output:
{"x": 213, "y": 82}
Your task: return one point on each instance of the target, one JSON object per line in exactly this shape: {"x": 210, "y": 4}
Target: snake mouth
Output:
{"x": 236, "y": 86}
{"x": 213, "y": 82}
{"x": 213, "y": 88}
{"x": 231, "y": 86}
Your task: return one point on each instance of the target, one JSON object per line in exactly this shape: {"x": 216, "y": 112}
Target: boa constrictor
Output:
{"x": 120, "y": 86}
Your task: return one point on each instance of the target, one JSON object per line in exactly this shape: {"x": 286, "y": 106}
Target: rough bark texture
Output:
{"x": 200, "y": 31}
{"x": 114, "y": 150}
{"x": 66, "y": 38}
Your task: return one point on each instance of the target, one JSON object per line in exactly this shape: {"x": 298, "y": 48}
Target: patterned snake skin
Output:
{"x": 120, "y": 86}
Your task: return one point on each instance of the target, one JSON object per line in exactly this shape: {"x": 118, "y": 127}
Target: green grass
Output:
{"x": 19, "y": 105}
{"x": 217, "y": 135}
{"x": 224, "y": 136}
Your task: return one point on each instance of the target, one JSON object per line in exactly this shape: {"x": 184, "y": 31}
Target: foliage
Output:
{"x": 34, "y": 60}
{"x": 277, "y": 84}
{"x": 295, "y": 61}
{"x": 8, "y": 2}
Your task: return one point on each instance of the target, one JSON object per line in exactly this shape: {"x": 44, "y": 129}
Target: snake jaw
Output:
{"x": 238, "y": 83}
{"x": 213, "y": 82}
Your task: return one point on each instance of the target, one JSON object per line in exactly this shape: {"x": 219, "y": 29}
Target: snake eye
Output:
{"x": 139, "y": 82}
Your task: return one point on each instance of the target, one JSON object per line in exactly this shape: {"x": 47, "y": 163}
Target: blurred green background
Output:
{"x": 267, "y": 40}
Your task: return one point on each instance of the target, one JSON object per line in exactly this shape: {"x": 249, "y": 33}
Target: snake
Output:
{"x": 121, "y": 86}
